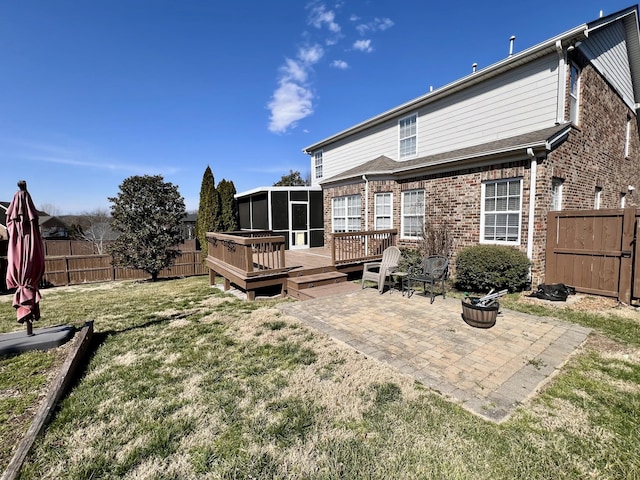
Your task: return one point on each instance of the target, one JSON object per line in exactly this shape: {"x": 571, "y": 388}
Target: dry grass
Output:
{"x": 185, "y": 382}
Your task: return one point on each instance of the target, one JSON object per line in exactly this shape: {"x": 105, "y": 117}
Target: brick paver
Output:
{"x": 488, "y": 371}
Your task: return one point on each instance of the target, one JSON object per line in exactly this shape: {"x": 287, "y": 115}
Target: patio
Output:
{"x": 488, "y": 371}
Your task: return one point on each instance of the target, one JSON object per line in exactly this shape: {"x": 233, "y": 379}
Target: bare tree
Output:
{"x": 96, "y": 228}
{"x": 50, "y": 209}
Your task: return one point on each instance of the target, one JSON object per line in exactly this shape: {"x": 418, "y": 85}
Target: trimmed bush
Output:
{"x": 483, "y": 267}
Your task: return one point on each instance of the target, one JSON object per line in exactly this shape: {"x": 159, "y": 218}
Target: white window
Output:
{"x": 598, "y": 197}
{"x": 317, "y": 163}
{"x": 346, "y": 214}
{"x": 627, "y": 137}
{"x": 501, "y": 212}
{"x": 556, "y": 194}
{"x": 574, "y": 93}
{"x": 623, "y": 200}
{"x": 407, "y": 134}
{"x": 383, "y": 209}
{"x": 412, "y": 213}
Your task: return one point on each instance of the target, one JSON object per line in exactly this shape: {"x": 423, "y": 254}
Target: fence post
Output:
{"x": 626, "y": 259}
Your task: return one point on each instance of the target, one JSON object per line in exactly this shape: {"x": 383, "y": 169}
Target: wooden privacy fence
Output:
{"x": 594, "y": 251}
{"x": 65, "y": 265}
{"x": 77, "y": 269}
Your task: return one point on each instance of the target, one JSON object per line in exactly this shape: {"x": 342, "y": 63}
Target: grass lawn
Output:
{"x": 186, "y": 382}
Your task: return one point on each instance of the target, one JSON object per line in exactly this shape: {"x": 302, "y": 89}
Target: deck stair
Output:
{"x": 300, "y": 281}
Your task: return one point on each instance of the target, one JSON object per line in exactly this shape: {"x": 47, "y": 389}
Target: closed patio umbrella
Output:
{"x": 25, "y": 256}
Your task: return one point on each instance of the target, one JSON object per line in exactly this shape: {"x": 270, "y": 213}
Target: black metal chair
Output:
{"x": 434, "y": 269}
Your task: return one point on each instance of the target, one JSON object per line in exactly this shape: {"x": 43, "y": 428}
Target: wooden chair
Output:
{"x": 380, "y": 272}
{"x": 434, "y": 269}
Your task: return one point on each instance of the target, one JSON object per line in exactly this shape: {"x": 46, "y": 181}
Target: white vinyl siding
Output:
{"x": 383, "y": 211}
{"x": 501, "y": 212}
{"x": 407, "y": 136}
{"x": 412, "y": 214}
{"x": 607, "y": 50}
{"x": 345, "y": 214}
{"x": 514, "y": 103}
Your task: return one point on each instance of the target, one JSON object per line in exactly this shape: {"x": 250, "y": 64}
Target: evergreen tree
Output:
{"x": 228, "y": 205}
{"x": 147, "y": 213}
{"x": 208, "y": 211}
{"x": 294, "y": 179}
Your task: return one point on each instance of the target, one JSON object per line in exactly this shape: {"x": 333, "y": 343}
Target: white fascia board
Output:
{"x": 253, "y": 191}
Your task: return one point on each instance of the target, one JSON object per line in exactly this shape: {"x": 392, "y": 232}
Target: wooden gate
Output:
{"x": 594, "y": 251}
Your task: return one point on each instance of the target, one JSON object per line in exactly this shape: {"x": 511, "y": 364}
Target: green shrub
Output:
{"x": 483, "y": 267}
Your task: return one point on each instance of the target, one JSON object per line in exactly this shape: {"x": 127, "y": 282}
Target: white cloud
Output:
{"x": 290, "y": 102}
{"x": 378, "y": 24}
{"x": 293, "y": 99}
{"x": 311, "y": 54}
{"x": 320, "y": 17}
{"x": 363, "y": 46}
{"x": 340, "y": 64}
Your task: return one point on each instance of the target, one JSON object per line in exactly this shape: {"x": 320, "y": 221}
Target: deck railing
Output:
{"x": 250, "y": 255}
{"x": 352, "y": 247}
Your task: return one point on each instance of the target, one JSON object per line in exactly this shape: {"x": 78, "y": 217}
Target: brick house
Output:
{"x": 552, "y": 127}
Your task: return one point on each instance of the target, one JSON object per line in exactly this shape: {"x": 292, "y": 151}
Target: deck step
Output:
{"x": 324, "y": 291}
{"x": 316, "y": 280}
{"x": 305, "y": 271}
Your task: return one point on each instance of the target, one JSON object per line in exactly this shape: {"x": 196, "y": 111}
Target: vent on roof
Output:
{"x": 473, "y": 67}
{"x": 511, "y": 42}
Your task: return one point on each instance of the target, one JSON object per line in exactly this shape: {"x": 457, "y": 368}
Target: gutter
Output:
{"x": 532, "y": 207}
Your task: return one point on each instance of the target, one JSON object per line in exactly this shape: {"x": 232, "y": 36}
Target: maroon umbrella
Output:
{"x": 25, "y": 256}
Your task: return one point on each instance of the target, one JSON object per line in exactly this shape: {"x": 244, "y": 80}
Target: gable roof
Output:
{"x": 572, "y": 37}
{"x": 526, "y": 144}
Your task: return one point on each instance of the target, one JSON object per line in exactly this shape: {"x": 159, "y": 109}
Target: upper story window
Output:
{"x": 383, "y": 210}
{"x": 407, "y": 135}
{"x": 556, "y": 193}
{"x": 597, "y": 198}
{"x": 574, "y": 93}
{"x": 501, "y": 212}
{"x": 412, "y": 214}
{"x": 317, "y": 163}
{"x": 345, "y": 214}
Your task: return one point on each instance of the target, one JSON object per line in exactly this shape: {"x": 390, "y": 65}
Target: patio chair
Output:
{"x": 434, "y": 269}
{"x": 380, "y": 272}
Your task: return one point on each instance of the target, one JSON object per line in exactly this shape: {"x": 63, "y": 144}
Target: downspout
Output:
{"x": 532, "y": 204}
{"x": 366, "y": 202}
{"x": 562, "y": 83}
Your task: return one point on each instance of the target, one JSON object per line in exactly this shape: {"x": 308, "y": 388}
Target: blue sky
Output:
{"x": 92, "y": 92}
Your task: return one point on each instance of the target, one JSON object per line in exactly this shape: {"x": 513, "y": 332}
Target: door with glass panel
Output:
{"x": 299, "y": 215}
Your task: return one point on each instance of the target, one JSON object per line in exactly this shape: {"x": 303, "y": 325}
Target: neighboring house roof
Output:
{"x": 541, "y": 140}
{"x": 573, "y": 37}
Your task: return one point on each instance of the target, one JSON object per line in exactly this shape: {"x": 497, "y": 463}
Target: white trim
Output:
{"x": 402, "y": 156}
{"x": 402, "y": 214}
{"x": 483, "y": 213}
{"x": 559, "y": 183}
{"x": 292, "y": 231}
{"x": 375, "y": 209}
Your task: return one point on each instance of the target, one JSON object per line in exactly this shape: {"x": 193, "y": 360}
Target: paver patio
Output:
{"x": 488, "y": 371}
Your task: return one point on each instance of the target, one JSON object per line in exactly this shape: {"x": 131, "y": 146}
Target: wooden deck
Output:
{"x": 260, "y": 262}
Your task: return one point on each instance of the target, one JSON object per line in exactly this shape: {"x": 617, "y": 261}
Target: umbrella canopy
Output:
{"x": 25, "y": 255}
